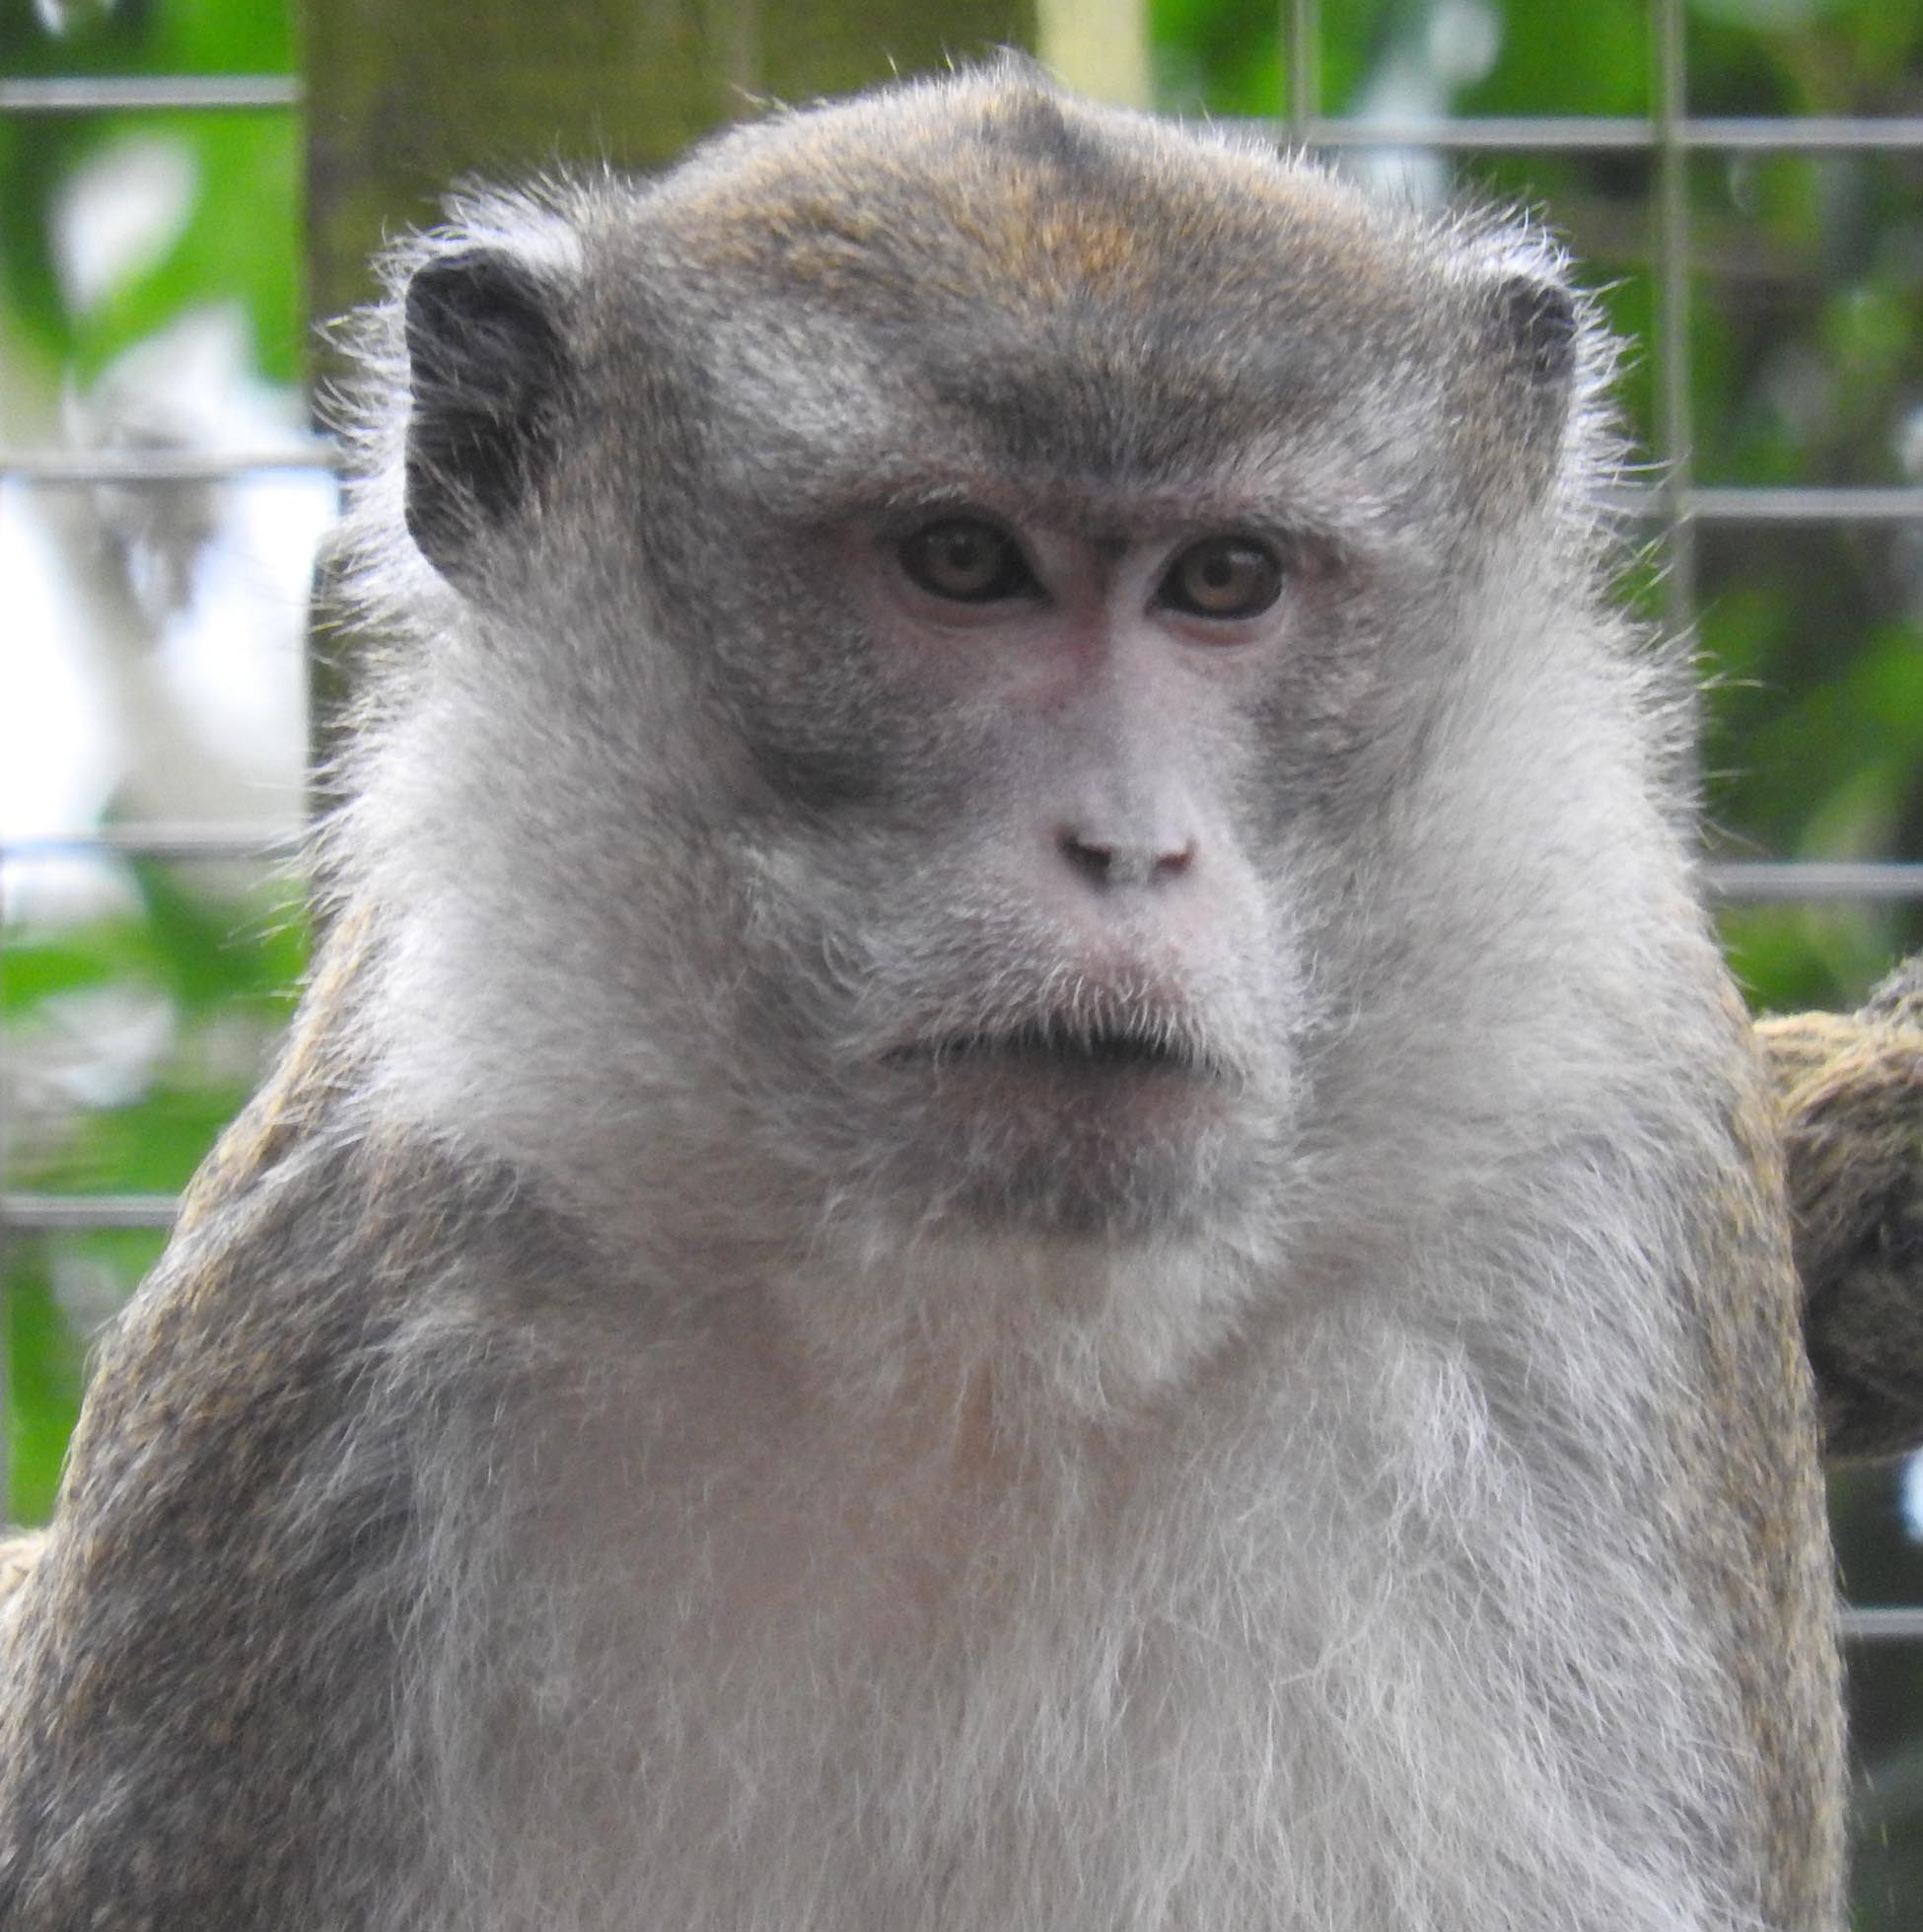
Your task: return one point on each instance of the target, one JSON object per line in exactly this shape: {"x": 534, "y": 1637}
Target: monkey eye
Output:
{"x": 966, "y": 560}
{"x": 1223, "y": 577}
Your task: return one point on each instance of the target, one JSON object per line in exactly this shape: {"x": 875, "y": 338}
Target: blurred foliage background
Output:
{"x": 150, "y": 300}
{"x": 153, "y": 667}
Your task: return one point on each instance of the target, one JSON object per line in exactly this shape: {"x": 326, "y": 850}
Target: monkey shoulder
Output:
{"x": 204, "y": 1664}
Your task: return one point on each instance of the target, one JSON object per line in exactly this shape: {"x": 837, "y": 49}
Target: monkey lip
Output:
{"x": 1093, "y": 1120}
{"x": 1058, "y": 1049}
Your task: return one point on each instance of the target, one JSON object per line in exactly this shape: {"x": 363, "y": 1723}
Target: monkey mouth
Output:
{"x": 1082, "y": 1123}
{"x": 1064, "y": 1047}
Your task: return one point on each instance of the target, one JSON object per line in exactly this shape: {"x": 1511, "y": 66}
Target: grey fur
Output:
{"x": 624, "y": 1440}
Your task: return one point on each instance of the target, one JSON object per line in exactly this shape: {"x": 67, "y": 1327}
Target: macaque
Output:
{"x": 1020, "y": 1195}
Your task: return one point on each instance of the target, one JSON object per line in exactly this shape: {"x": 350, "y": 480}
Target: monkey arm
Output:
{"x": 1850, "y": 1090}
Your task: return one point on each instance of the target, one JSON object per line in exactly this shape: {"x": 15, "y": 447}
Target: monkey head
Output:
{"x": 973, "y": 619}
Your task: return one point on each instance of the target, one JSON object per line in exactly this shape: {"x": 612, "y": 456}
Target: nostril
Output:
{"x": 1104, "y": 862}
{"x": 1090, "y": 857}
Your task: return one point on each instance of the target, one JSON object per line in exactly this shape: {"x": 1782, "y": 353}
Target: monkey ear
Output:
{"x": 1531, "y": 324}
{"x": 487, "y": 368}
{"x": 1537, "y": 320}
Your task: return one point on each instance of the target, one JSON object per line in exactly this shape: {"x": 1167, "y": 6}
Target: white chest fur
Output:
{"x": 1319, "y": 1648}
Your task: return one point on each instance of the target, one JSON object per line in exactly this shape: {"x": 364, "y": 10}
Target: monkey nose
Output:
{"x": 1121, "y": 862}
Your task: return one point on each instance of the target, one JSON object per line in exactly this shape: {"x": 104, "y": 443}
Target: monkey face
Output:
{"x": 996, "y": 598}
{"x": 1036, "y": 962}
